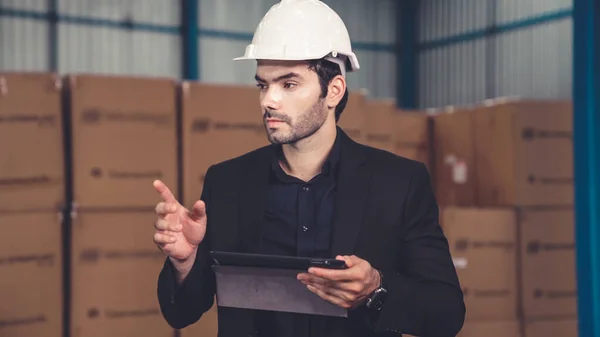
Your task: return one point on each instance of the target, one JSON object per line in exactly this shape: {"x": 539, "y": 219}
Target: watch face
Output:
{"x": 376, "y": 301}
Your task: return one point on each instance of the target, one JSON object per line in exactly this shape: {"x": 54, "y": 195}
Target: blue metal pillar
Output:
{"x": 406, "y": 54}
{"x": 490, "y": 50}
{"x": 53, "y": 35}
{"x": 189, "y": 30}
{"x": 586, "y": 130}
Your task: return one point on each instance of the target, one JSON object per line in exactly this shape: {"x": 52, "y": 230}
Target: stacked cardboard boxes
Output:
{"x": 502, "y": 171}
{"x": 504, "y": 179}
{"x": 404, "y": 133}
{"x": 31, "y": 202}
{"x": 122, "y": 136}
{"x": 353, "y": 118}
{"x": 219, "y": 122}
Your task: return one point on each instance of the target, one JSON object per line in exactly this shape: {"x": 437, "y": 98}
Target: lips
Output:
{"x": 273, "y": 122}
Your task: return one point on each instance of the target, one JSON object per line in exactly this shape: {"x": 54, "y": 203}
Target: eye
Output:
{"x": 260, "y": 86}
{"x": 289, "y": 85}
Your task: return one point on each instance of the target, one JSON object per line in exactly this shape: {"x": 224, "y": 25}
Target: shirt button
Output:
{"x": 305, "y": 188}
{"x": 304, "y": 228}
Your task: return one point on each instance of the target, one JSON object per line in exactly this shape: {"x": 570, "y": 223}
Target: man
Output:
{"x": 313, "y": 192}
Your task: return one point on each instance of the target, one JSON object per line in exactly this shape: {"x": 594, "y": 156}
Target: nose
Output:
{"x": 271, "y": 99}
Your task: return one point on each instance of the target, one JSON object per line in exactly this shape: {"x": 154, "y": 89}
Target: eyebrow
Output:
{"x": 280, "y": 78}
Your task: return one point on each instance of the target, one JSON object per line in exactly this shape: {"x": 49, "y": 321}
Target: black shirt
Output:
{"x": 298, "y": 221}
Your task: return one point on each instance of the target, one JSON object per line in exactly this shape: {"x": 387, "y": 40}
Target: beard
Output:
{"x": 305, "y": 126}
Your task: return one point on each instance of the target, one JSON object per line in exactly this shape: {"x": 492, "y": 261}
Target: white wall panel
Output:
{"x": 453, "y": 75}
{"x": 377, "y": 74}
{"x": 511, "y": 10}
{"x": 217, "y": 65}
{"x": 535, "y": 62}
{"x": 384, "y": 80}
{"x": 97, "y": 46}
{"x": 37, "y": 5}
{"x": 166, "y": 12}
{"x": 23, "y": 44}
{"x": 531, "y": 62}
{"x": 116, "y": 51}
{"x": 366, "y": 20}
{"x": 232, "y": 15}
{"x": 445, "y": 18}
{"x": 385, "y": 22}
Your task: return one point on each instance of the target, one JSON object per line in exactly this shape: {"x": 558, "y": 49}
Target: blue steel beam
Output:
{"x": 53, "y": 35}
{"x": 586, "y": 130}
{"x": 406, "y": 51}
{"x": 490, "y": 53}
{"x": 189, "y": 28}
{"x": 498, "y": 29}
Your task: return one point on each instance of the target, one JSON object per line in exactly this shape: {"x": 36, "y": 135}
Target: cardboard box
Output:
{"x": 31, "y": 138}
{"x": 353, "y": 117}
{"x": 412, "y": 136}
{"x": 552, "y": 328}
{"x": 524, "y": 153}
{"x": 124, "y": 136}
{"x": 379, "y": 124}
{"x": 220, "y": 122}
{"x": 455, "y": 171}
{"x": 549, "y": 287}
{"x": 31, "y": 286}
{"x": 500, "y": 283}
{"x": 115, "y": 267}
{"x": 491, "y": 329}
{"x": 207, "y": 326}
{"x": 483, "y": 244}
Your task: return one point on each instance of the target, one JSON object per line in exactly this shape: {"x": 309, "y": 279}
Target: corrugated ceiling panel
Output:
{"x": 535, "y": 62}
{"x": 23, "y": 45}
{"x": 217, "y": 65}
{"x": 448, "y": 18}
{"x": 233, "y": 15}
{"x": 366, "y": 20}
{"x": 37, "y": 5}
{"x": 454, "y": 75}
{"x": 116, "y": 51}
{"x": 512, "y": 10}
{"x": 165, "y": 12}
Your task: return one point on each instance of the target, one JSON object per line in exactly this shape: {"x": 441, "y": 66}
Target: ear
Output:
{"x": 335, "y": 92}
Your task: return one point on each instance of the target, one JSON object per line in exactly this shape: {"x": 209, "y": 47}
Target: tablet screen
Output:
{"x": 274, "y": 261}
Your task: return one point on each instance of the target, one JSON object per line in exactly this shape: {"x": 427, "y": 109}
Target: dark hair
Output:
{"x": 326, "y": 71}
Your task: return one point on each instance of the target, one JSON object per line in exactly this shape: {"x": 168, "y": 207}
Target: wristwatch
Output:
{"x": 377, "y": 298}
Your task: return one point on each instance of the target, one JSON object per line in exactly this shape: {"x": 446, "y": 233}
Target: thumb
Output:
{"x": 350, "y": 261}
{"x": 198, "y": 211}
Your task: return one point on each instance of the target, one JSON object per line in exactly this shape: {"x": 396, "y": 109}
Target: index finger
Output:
{"x": 164, "y": 191}
{"x": 332, "y": 274}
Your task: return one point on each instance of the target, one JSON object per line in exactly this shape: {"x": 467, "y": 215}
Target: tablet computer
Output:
{"x": 274, "y": 261}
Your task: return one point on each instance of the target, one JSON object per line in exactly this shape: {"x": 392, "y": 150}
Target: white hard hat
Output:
{"x": 302, "y": 30}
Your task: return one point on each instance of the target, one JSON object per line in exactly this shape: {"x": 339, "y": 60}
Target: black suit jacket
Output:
{"x": 386, "y": 213}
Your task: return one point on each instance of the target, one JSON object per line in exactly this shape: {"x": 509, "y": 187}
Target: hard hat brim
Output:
{"x": 354, "y": 65}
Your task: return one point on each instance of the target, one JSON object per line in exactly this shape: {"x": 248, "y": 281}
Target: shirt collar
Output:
{"x": 330, "y": 164}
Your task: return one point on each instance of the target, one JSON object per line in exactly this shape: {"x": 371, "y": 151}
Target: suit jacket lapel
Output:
{"x": 251, "y": 201}
{"x": 352, "y": 188}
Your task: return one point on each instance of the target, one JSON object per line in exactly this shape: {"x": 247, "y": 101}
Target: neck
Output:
{"x": 304, "y": 159}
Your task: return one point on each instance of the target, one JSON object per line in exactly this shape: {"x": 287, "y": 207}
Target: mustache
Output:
{"x": 271, "y": 114}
